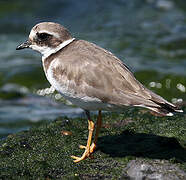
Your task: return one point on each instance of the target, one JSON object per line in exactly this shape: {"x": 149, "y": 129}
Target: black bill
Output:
{"x": 24, "y": 45}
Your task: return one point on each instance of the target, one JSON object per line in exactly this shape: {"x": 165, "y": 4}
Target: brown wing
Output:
{"x": 100, "y": 74}
{"x": 112, "y": 82}
{"x": 89, "y": 70}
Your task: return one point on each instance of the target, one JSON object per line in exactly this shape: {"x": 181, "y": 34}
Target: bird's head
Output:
{"x": 45, "y": 37}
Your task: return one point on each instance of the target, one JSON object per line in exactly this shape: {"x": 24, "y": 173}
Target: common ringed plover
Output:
{"x": 90, "y": 77}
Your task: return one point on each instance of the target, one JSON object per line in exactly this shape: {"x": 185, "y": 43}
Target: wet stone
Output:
{"x": 152, "y": 170}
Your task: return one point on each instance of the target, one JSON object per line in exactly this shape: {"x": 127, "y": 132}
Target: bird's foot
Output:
{"x": 88, "y": 153}
{"x": 92, "y": 147}
{"x": 85, "y": 155}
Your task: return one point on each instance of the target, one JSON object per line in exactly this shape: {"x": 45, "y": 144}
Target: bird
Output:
{"x": 90, "y": 77}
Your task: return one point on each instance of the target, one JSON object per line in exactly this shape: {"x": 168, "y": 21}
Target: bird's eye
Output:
{"x": 42, "y": 36}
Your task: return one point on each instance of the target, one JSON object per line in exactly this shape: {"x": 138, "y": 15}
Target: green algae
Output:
{"x": 32, "y": 77}
{"x": 10, "y": 95}
{"x": 44, "y": 152}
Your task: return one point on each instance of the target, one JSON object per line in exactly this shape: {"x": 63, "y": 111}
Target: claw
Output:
{"x": 88, "y": 153}
{"x": 82, "y": 147}
{"x": 74, "y": 157}
{"x": 85, "y": 155}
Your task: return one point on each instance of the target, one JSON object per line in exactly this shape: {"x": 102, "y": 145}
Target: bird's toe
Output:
{"x": 82, "y": 147}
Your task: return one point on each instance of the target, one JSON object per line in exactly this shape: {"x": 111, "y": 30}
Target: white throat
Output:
{"x": 47, "y": 51}
{"x": 50, "y": 51}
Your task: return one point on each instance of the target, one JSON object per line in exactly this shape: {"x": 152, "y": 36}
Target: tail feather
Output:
{"x": 164, "y": 108}
{"x": 161, "y": 112}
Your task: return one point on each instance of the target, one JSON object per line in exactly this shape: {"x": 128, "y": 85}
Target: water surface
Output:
{"x": 149, "y": 36}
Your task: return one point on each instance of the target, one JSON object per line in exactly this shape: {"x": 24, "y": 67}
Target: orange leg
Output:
{"x": 87, "y": 147}
{"x": 98, "y": 127}
{"x": 90, "y": 149}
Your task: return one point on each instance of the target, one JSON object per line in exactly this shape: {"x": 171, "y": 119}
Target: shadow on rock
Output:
{"x": 142, "y": 145}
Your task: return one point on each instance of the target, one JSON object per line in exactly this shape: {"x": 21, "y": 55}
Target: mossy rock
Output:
{"x": 44, "y": 152}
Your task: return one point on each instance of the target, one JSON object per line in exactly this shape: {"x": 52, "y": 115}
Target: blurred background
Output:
{"x": 148, "y": 35}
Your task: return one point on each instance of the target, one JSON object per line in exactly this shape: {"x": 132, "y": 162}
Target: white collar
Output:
{"x": 52, "y": 51}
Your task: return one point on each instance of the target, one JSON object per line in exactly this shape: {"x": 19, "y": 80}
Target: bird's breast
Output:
{"x": 58, "y": 81}
{"x": 63, "y": 85}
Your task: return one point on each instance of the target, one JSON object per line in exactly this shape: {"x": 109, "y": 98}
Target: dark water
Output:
{"x": 148, "y": 35}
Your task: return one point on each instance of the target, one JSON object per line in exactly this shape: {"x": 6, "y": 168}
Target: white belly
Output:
{"x": 80, "y": 100}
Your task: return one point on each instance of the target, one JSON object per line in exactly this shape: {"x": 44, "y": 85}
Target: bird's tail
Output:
{"x": 163, "y": 107}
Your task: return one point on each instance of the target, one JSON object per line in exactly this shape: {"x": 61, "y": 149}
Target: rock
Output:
{"x": 152, "y": 170}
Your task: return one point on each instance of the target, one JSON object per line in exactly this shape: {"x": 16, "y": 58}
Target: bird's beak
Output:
{"x": 24, "y": 45}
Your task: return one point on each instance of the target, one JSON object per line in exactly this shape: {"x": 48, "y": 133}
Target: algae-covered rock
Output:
{"x": 44, "y": 152}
